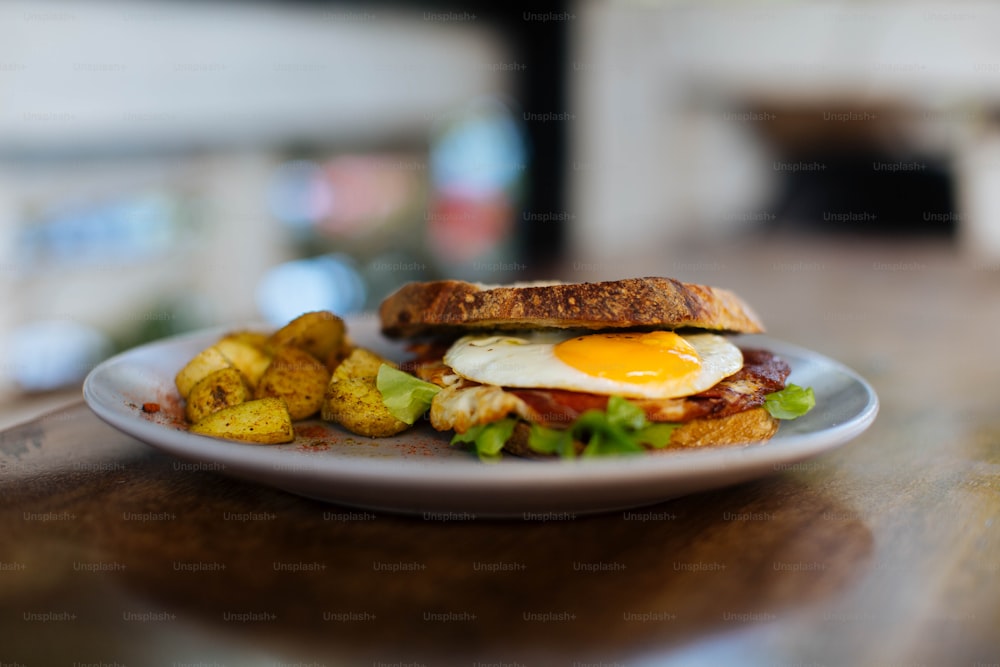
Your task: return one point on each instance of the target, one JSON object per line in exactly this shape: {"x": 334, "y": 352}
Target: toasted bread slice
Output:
{"x": 453, "y": 306}
{"x": 749, "y": 427}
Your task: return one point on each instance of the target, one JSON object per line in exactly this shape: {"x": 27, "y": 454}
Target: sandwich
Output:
{"x": 560, "y": 369}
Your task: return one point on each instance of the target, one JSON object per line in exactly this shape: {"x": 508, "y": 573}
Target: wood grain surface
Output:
{"x": 883, "y": 552}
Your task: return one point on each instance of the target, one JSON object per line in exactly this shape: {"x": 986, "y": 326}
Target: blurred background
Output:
{"x": 168, "y": 165}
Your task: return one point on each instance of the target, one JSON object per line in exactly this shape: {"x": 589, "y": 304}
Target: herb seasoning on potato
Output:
{"x": 252, "y": 386}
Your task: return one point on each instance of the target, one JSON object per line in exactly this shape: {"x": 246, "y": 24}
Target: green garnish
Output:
{"x": 624, "y": 413}
{"x": 622, "y": 428}
{"x": 489, "y": 438}
{"x": 791, "y": 402}
{"x": 406, "y": 397}
{"x": 546, "y": 440}
{"x": 657, "y": 435}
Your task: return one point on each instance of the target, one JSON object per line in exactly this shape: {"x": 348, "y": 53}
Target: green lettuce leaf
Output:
{"x": 406, "y": 397}
{"x": 626, "y": 414}
{"x": 546, "y": 440}
{"x": 605, "y": 434}
{"x": 622, "y": 428}
{"x": 791, "y": 402}
{"x": 656, "y": 435}
{"x": 488, "y": 439}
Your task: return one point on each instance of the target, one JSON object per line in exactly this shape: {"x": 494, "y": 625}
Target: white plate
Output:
{"x": 417, "y": 472}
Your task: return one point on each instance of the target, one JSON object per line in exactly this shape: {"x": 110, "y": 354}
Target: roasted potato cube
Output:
{"x": 251, "y": 359}
{"x": 337, "y": 355}
{"x": 220, "y": 389}
{"x": 297, "y": 377}
{"x": 257, "y": 339}
{"x": 320, "y": 333}
{"x": 353, "y": 401}
{"x": 202, "y": 364}
{"x": 265, "y": 421}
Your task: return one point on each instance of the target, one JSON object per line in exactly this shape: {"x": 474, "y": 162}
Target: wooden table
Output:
{"x": 883, "y": 552}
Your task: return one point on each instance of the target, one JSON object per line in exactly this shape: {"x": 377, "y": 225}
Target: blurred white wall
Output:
{"x": 100, "y": 75}
{"x": 199, "y": 101}
{"x": 658, "y": 156}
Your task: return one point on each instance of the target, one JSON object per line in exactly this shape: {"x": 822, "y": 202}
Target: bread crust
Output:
{"x": 750, "y": 426}
{"x": 449, "y": 307}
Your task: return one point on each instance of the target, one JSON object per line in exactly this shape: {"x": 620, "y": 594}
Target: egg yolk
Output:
{"x": 631, "y": 357}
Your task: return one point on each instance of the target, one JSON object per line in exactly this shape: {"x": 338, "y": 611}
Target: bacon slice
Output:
{"x": 462, "y": 404}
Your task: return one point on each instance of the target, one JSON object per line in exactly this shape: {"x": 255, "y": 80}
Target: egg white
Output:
{"x": 529, "y": 361}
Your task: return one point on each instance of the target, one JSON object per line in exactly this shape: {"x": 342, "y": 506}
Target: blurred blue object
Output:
{"x": 328, "y": 282}
{"x": 122, "y": 230}
{"x": 479, "y": 153}
{"x": 298, "y": 195}
{"x": 51, "y": 354}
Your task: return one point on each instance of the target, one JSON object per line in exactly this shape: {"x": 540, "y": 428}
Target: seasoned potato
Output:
{"x": 264, "y": 420}
{"x": 243, "y": 351}
{"x": 337, "y": 355}
{"x": 204, "y": 363}
{"x": 353, "y": 401}
{"x": 297, "y": 377}
{"x": 257, "y": 339}
{"x": 320, "y": 333}
{"x": 215, "y": 391}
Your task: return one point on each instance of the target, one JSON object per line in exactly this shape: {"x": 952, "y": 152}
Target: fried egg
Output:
{"x": 657, "y": 364}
